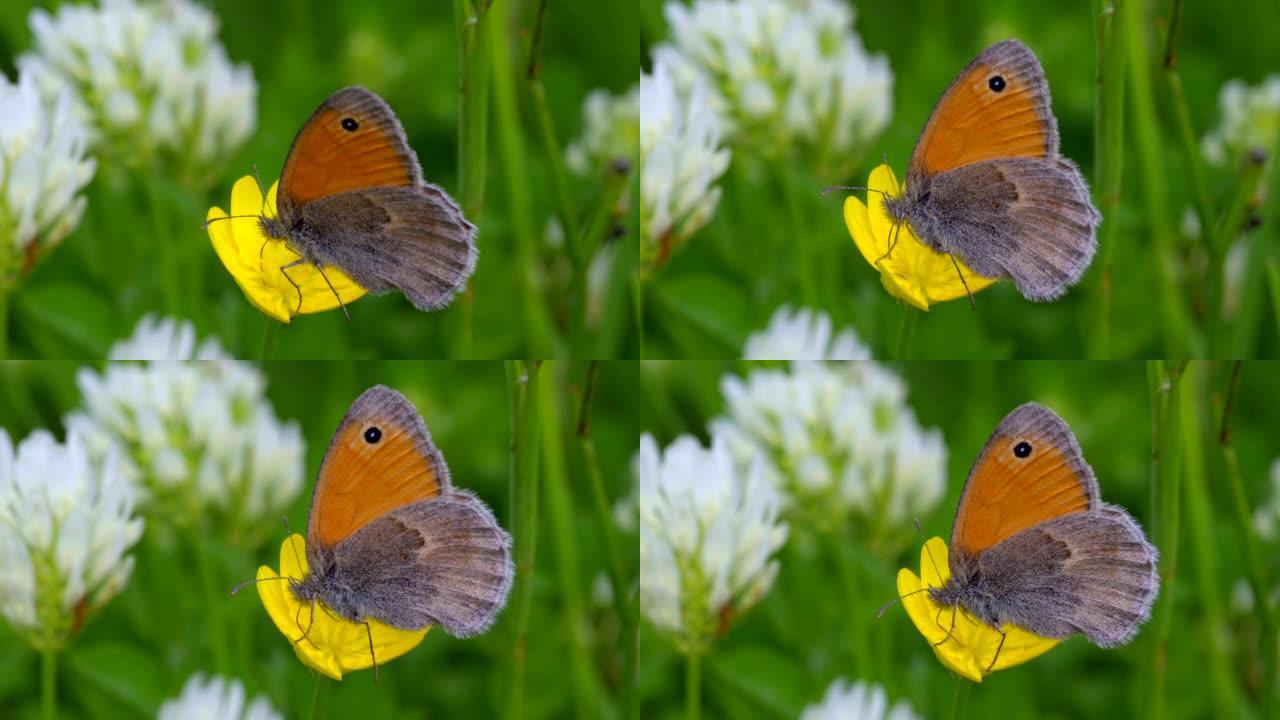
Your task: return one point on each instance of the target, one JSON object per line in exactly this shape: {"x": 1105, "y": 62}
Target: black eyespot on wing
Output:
{"x": 1022, "y": 449}
{"x": 350, "y": 124}
{"x": 996, "y": 83}
{"x": 372, "y": 435}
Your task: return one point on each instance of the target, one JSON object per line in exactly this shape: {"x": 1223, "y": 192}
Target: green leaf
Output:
{"x": 768, "y": 680}
{"x": 121, "y": 673}
{"x": 708, "y": 315}
{"x": 65, "y": 316}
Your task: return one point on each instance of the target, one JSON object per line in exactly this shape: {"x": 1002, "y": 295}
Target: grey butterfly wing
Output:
{"x": 1027, "y": 219}
{"x": 443, "y": 561}
{"x": 1092, "y": 573}
{"x": 410, "y": 239}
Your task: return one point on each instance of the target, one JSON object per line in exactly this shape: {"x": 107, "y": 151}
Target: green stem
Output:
{"x": 215, "y": 600}
{"x": 693, "y": 686}
{"x": 805, "y": 241}
{"x": 1199, "y": 509}
{"x": 960, "y": 699}
{"x": 522, "y": 383}
{"x": 591, "y": 237}
{"x": 4, "y": 323}
{"x": 1108, "y": 158}
{"x": 617, "y": 575}
{"x": 1164, "y": 382}
{"x": 538, "y": 325}
{"x": 1273, "y": 285}
{"x": 269, "y": 332}
{"x": 560, "y": 514}
{"x": 49, "y": 683}
{"x": 165, "y": 247}
{"x": 320, "y": 696}
{"x": 841, "y": 556}
{"x": 1178, "y": 342}
{"x": 472, "y": 24}
{"x": 1253, "y": 556}
{"x": 905, "y": 331}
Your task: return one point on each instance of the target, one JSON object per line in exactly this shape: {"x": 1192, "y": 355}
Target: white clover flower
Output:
{"x": 787, "y": 75}
{"x": 611, "y": 130}
{"x": 200, "y": 437}
{"x": 1250, "y": 120}
{"x": 149, "y": 77}
{"x": 857, "y": 701}
{"x": 43, "y": 168}
{"x": 803, "y": 334}
{"x": 680, "y": 159}
{"x": 1267, "y": 517}
{"x": 836, "y": 439}
{"x": 66, "y": 524}
{"x": 165, "y": 339}
{"x": 708, "y": 533}
{"x": 215, "y": 698}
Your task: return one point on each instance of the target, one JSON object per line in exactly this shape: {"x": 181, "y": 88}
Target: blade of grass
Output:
{"x": 1164, "y": 387}
{"x": 1199, "y": 181}
{"x": 1178, "y": 340}
{"x": 1199, "y": 508}
{"x": 1273, "y": 284}
{"x": 560, "y": 514}
{"x": 1253, "y": 556}
{"x": 540, "y": 334}
{"x": 522, "y": 387}
{"x": 1108, "y": 157}
{"x": 473, "y": 31}
{"x": 617, "y": 575}
{"x": 1230, "y": 226}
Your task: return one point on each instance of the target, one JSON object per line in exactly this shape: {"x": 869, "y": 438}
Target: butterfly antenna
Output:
{"x": 241, "y": 585}
{"x": 292, "y": 543}
{"x": 885, "y": 606}
{"x": 927, "y": 551}
{"x": 205, "y": 225}
{"x": 853, "y": 187}
{"x": 262, "y": 189}
{"x": 332, "y": 290}
{"x": 968, "y": 292}
{"x": 372, "y": 657}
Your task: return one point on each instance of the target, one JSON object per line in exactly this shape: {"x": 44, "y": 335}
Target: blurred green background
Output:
{"x": 785, "y": 652}
{"x": 733, "y": 273}
{"x": 146, "y": 642}
{"x": 92, "y": 290}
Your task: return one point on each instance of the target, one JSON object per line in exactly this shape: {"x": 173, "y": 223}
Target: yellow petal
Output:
{"x": 332, "y": 645}
{"x": 972, "y": 644}
{"x": 256, "y": 261}
{"x": 910, "y": 270}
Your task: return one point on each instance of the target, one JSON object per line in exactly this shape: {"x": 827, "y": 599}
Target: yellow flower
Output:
{"x": 254, "y": 260}
{"x": 333, "y": 645}
{"x": 912, "y": 271}
{"x": 972, "y": 644}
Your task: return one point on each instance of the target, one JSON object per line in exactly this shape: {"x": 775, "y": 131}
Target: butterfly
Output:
{"x": 986, "y": 183}
{"x": 1033, "y": 544}
{"x": 390, "y": 538}
{"x": 351, "y": 196}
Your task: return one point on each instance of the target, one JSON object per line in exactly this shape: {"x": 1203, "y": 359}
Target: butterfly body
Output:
{"x": 1033, "y": 544}
{"x": 987, "y": 185}
{"x": 352, "y": 196}
{"x": 389, "y": 538}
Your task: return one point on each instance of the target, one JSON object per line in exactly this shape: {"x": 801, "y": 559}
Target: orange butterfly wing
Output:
{"x": 1030, "y": 471}
{"x": 351, "y": 141}
{"x": 998, "y": 107}
{"x": 381, "y": 458}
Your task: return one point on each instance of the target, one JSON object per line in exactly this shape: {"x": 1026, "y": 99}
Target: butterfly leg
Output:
{"x": 295, "y": 285}
{"x": 893, "y": 241}
{"x": 962, "y": 281}
{"x": 334, "y": 291}
{"x": 998, "y": 648}
{"x": 369, "y": 630}
{"x": 310, "y": 622}
{"x": 950, "y": 629}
